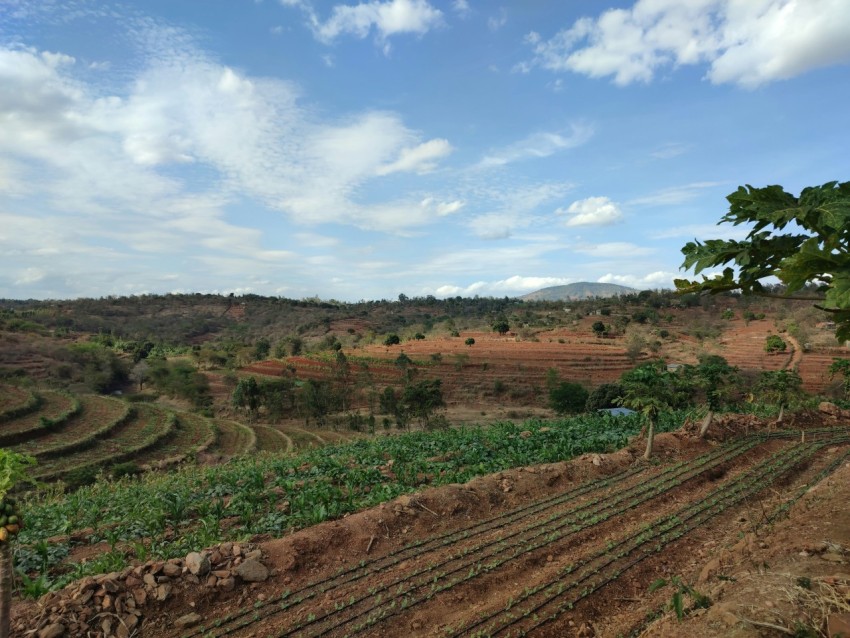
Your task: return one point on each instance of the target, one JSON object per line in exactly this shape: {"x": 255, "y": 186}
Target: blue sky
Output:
{"x": 362, "y": 150}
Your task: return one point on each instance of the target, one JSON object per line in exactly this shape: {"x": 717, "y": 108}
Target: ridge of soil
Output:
{"x": 435, "y": 563}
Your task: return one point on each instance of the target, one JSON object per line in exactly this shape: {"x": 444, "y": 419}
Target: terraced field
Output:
{"x": 541, "y": 567}
{"x": 69, "y": 434}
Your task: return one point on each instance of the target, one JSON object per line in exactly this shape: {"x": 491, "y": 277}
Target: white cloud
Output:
{"x": 537, "y": 145}
{"x": 515, "y": 208}
{"x": 674, "y": 195}
{"x": 592, "y": 211}
{"x": 657, "y": 279}
{"x": 461, "y": 7}
{"x": 746, "y": 42}
{"x": 669, "y": 150}
{"x": 512, "y": 286}
{"x": 442, "y": 209}
{"x": 387, "y": 18}
{"x": 613, "y": 250}
{"x": 419, "y": 159}
{"x": 496, "y": 22}
{"x": 703, "y": 232}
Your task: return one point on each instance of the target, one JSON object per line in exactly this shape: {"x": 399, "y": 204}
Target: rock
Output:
{"x": 171, "y": 570}
{"x": 56, "y": 630}
{"x": 149, "y": 579}
{"x": 833, "y": 557}
{"x": 227, "y": 584}
{"x": 252, "y": 571}
{"x": 198, "y": 563}
{"x": 140, "y": 596}
{"x": 163, "y": 592}
{"x": 189, "y": 620}
{"x": 525, "y": 434}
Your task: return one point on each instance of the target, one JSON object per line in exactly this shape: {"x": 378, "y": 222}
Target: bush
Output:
{"x": 392, "y": 340}
{"x": 470, "y": 341}
{"x": 604, "y": 396}
{"x": 774, "y": 343}
{"x": 567, "y": 397}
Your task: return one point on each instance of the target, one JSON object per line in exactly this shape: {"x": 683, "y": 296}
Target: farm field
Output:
{"x": 470, "y": 375}
{"x": 541, "y": 550}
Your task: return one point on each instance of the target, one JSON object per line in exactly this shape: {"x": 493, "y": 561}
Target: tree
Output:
{"x": 567, "y": 398}
{"x": 470, "y": 341}
{"x": 262, "y": 349}
{"x": 247, "y": 395}
{"x": 598, "y": 328}
{"x": 421, "y": 400}
{"x": 714, "y": 376}
{"x": 392, "y": 340}
{"x": 604, "y": 396}
{"x": 842, "y": 367}
{"x": 816, "y": 252}
{"x": 650, "y": 390}
{"x": 502, "y": 327}
{"x": 779, "y": 387}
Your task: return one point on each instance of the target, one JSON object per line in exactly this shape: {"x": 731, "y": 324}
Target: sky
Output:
{"x": 360, "y": 150}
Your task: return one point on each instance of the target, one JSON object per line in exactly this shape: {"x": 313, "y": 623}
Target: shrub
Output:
{"x": 567, "y": 397}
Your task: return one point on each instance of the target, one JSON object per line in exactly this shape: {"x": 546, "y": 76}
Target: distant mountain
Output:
{"x": 578, "y": 290}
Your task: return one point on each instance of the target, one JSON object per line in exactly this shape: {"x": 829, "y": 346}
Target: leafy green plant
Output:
{"x": 680, "y": 590}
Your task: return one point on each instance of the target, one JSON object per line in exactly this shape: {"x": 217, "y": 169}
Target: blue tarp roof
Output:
{"x": 618, "y": 411}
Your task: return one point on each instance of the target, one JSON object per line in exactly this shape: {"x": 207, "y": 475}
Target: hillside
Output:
{"x": 578, "y": 290}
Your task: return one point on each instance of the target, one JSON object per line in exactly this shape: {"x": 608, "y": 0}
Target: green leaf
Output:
{"x": 678, "y": 605}
{"x": 657, "y": 584}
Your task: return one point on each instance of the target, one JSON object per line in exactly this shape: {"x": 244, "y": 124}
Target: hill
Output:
{"x": 578, "y": 290}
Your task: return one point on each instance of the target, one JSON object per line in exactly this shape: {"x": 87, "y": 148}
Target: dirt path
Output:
{"x": 485, "y": 559}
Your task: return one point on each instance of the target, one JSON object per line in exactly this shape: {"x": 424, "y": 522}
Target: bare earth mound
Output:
{"x": 566, "y": 549}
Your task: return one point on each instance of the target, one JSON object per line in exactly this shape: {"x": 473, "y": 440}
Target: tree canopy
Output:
{"x": 814, "y": 250}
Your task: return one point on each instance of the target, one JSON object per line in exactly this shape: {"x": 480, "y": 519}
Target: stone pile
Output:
{"x": 113, "y": 605}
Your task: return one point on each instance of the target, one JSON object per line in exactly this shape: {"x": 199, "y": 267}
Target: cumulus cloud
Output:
{"x": 537, "y": 145}
{"x": 385, "y": 18}
{"x": 744, "y": 42}
{"x": 657, "y": 279}
{"x": 592, "y": 211}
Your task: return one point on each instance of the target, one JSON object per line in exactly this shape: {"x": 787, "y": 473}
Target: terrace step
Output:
{"x": 193, "y": 434}
{"x": 97, "y": 417}
{"x": 55, "y": 408}
{"x": 148, "y": 427}
{"x": 270, "y": 439}
{"x": 234, "y": 439}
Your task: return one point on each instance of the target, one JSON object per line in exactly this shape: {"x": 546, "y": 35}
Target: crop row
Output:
{"x": 97, "y": 417}
{"x": 547, "y": 601}
{"x": 55, "y": 410}
{"x": 558, "y": 524}
{"x": 552, "y": 530}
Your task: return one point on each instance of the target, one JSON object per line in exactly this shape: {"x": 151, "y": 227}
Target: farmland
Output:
{"x": 496, "y": 523}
